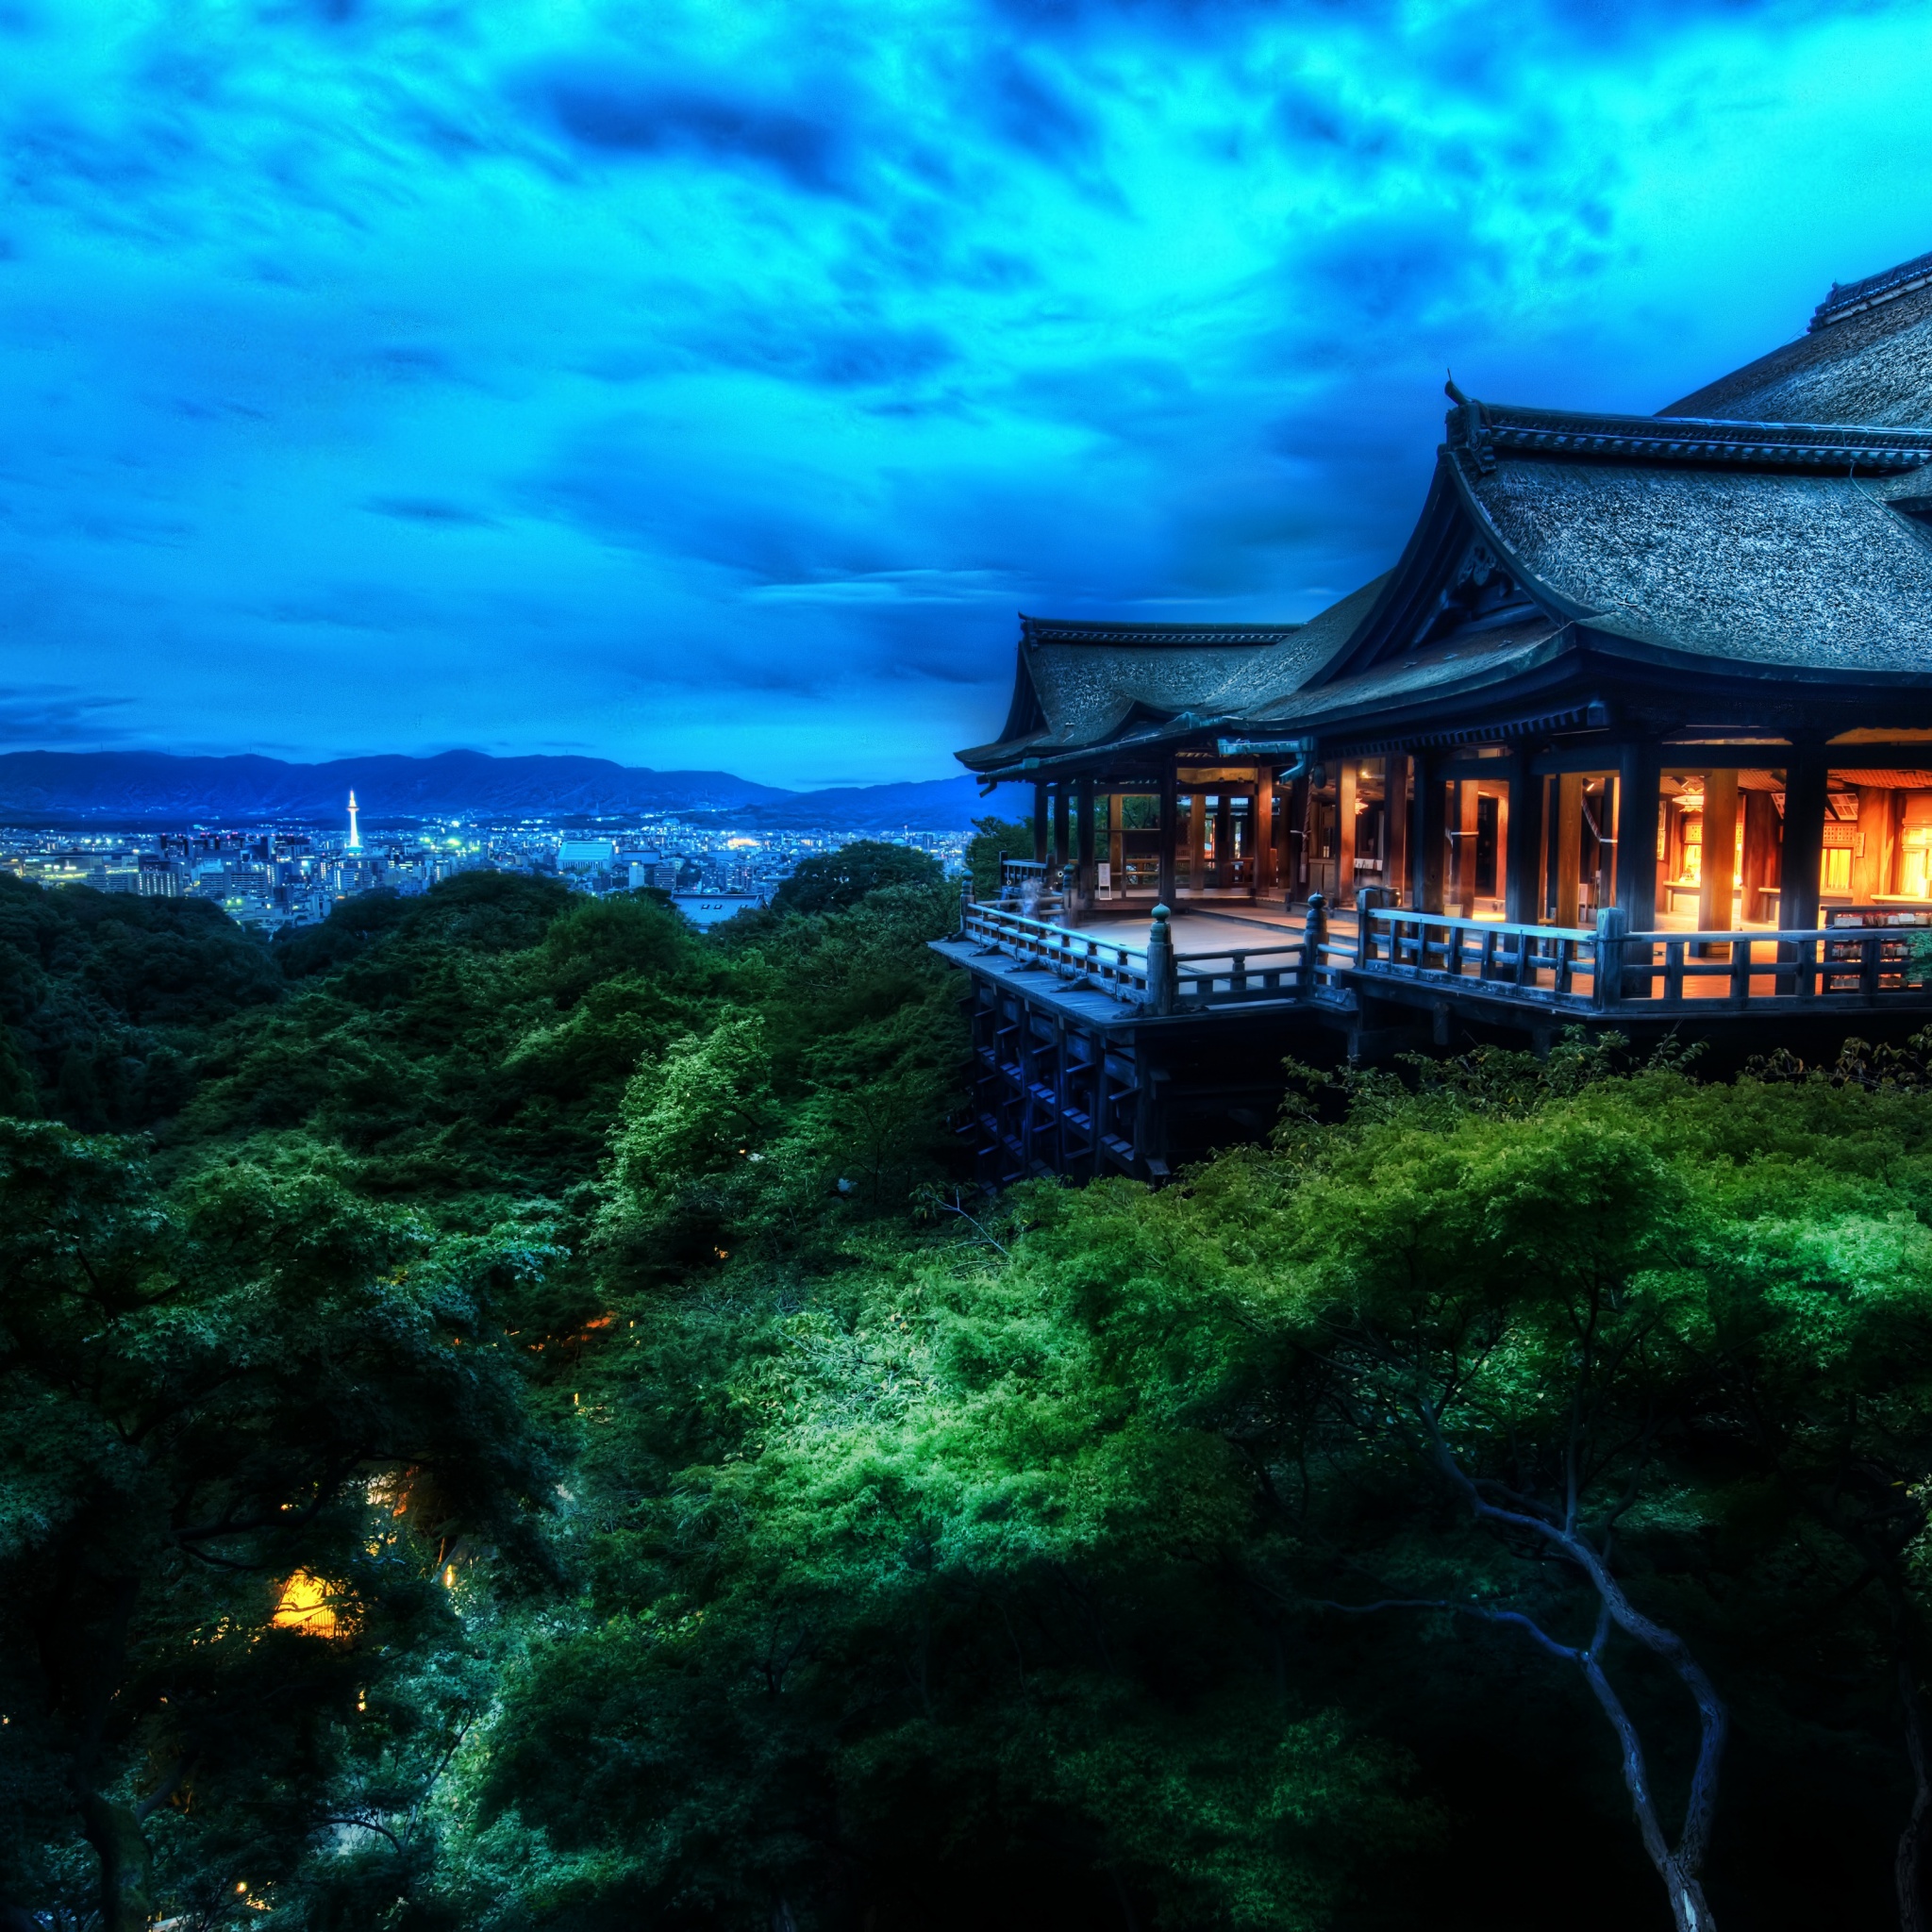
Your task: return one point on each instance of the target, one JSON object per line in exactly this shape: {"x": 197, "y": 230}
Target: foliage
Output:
{"x": 993, "y": 837}
{"x": 102, "y": 995}
{"x": 835, "y": 881}
{"x": 542, "y": 1433}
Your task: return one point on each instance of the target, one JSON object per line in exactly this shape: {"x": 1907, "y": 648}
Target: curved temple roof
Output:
{"x": 1777, "y": 518}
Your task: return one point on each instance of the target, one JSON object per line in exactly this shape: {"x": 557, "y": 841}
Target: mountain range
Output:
{"x": 54, "y": 787}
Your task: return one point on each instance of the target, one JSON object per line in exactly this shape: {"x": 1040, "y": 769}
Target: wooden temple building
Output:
{"x": 1637, "y": 733}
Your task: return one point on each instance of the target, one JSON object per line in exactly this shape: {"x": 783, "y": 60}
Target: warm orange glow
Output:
{"x": 307, "y": 1604}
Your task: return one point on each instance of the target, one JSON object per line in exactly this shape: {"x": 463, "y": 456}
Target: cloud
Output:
{"x": 643, "y": 117}
{"x": 709, "y": 386}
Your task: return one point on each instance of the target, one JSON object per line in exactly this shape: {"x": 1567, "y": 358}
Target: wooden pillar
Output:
{"x": 1224, "y": 840}
{"x": 1760, "y": 853}
{"x": 1197, "y": 840}
{"x": 1569, "y": 845}
{"x": 1640, "y": 799}
{"x": 1395, "y": 870}
{"x": 1083, "y": 813}
{"x": 1116, "y": 844}
{"x": 1806, "y": 783}
{"x": 1295, "y": 834}
{"x": 1170, "y": 829}
{"x": 1521, "y": 842}
{"x": 1719, "y": 875}
{"x": 1461, "y": 899}
{"x": 1264, "y": 829}
{"x": 1060, "y": 802}
{"x": 1040, "y": 824}
{"x": 1428, "y": 838}
{"x": 1606, "y": 843}
{"x": 1348, "y": 780}
{"x": 1870, "y": 875}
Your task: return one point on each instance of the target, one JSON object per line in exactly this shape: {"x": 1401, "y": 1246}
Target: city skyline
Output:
{"x": 712, "y": 392}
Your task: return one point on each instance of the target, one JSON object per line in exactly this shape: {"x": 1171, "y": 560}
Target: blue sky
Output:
{"x": 706, "y": 385}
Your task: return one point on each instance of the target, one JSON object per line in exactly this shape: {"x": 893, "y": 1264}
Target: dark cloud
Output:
{"x": 640, "y": 116}
{"x": 30, "y": 717}
{"x": 427, "y": 510}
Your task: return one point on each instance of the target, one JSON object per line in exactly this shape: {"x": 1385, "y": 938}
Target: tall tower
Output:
{"x": 354, "y": 843}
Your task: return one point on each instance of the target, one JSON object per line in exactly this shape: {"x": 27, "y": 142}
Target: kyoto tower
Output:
{"x": 354, "y": 843}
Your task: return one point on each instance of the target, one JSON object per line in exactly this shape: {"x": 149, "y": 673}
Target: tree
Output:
{"x": 242, "y": 1435}
{"x": 834, "y": 881}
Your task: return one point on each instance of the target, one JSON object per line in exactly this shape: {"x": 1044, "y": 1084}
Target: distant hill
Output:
{"x": 115, "y": 785}
{"x": 933, "y": 805}
{"x": 127, "y": 787}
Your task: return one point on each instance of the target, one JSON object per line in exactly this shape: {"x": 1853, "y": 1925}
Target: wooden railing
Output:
{"x": 1572, "y": 970}
{"x": 1537, "y": 963}
{"x": 1840, "y": 966}
{"x": 1079, "y": 957}
{"x": 1227, "y": 978}
{"x": 1595, "y": 969}
{"x": 1185, "y": 982}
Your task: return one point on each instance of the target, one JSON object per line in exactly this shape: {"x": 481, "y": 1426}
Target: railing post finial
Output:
{"x": 1606, "y": 981}
{"x": 1314, "y": 930}
{"x": 1161, "y": 986}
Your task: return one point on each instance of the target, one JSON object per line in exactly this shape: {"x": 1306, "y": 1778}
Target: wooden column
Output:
{"x": 1264, "y": 829}
{"x": 1040, "y": 824}
{"x": 1522, "y": 846}
{"x": 1640, "y": 799}
{"x": 1806, "y": 780}
{"x": 1395, "y": 870}
{"x": 1060, "y": 803}
{"x": 1461, "y": 899}
{"x": 1116, "y": 845}
{"x": 1170, "y": 830}
{"x": 1224, "y": 840}
{"x": 1761, "y": 852}
{"x": 1347, "y": 778}
{"x": 1197, "y": 840}
{"x": 1083, "y": 813}
{"x": 1569, "y": 845}
{"x": 1428, "y": 845}
{"x": 1295, "y": 837}
{"x": 1870, "y": 875}
{"x": 1719, "y": 875}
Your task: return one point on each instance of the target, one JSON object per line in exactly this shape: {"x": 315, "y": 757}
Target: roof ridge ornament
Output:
{"x": 1468, "y": 427}
{"x": 1847, "y": 299}
{"x": 1482, "y": 429}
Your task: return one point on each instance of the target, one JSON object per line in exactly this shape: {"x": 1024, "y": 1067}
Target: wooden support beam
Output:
{"x": 1395, "y": 870}
{"x": 1430, "y": 835}
{"x": 1347, "y": 776}
{"x": 1523, "y": 844}
{"x": 1719, "y": 877}
{"x": 1116, "y": 844}
{"x": 1265, "y": 830}
{"x": 1640, "y": 802}
{"x": 1461, "y": 896}
{"x": 1569, "y": 845}
{"x": 1296, "y": 833}
{"x": 1040, "y": 824}
{"x": 1169, "y": 831}
{"x": 1807, "y": 778}
{"x": 1871, "y": 872}
{"x": 1223, "y": 841}
{"x": 1197, "y": 840}
{"x": 1083, "y": 813}
{"x": 1060, "y": 802}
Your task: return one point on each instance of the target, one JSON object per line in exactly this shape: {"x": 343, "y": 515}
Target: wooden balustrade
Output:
{"x": 1226, "y": 976}
{"x": 1574, "y": 970}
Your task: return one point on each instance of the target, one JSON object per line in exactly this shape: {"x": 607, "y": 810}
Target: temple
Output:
{"x": 1636, "y": 732}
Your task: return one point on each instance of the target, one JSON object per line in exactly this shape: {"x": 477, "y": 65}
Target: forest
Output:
{"x": 514, "y": 1417}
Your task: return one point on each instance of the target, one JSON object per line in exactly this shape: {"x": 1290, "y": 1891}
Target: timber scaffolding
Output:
{"x": 1107, "y": 1047}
